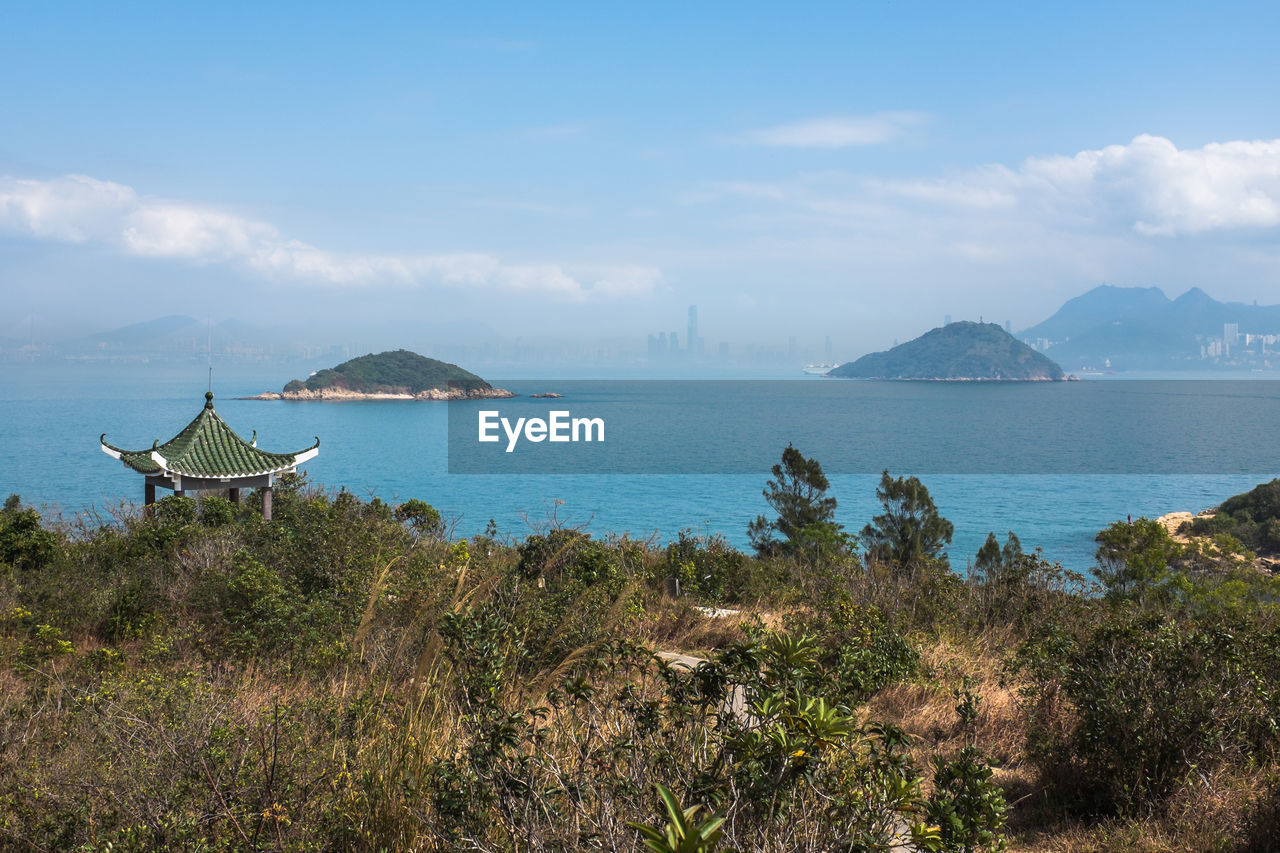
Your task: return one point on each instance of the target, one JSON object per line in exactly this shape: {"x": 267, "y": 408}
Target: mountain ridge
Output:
{"x": 1142, "y": 326}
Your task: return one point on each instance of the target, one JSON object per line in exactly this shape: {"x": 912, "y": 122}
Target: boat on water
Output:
{"x": 818, "y": 369}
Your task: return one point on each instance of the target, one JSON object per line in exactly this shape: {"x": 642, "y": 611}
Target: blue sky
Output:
{"x": 583, "y": 170}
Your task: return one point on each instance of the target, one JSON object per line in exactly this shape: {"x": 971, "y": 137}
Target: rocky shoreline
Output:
{"x": 434, "y": 394}
{"x": 1173, "y": 522}
{"x": 1068, "y": 378}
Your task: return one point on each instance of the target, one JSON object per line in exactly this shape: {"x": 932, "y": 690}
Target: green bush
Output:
{"x": 706, "y": 567}
{"x": 1151, "y": 699}
{"x": 565, "y": 556}
{"x": 857, "y": 651}
{"x": 216, "y": 511}
{"x": 422, "y": 518}
{"x": 968, "y": 808}
{"x": 25, "y": 544}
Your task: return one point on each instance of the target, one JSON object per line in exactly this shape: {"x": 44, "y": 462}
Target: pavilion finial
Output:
{"x": 208, "y": 399}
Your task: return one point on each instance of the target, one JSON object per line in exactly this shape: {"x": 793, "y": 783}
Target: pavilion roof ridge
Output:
{"x": 208, "y": 447}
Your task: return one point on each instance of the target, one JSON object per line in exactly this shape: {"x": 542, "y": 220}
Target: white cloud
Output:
{"x": 837, "y": 131}
{"x": 1149, "y": 185}
{"x": 80, "y": 209}
{"x": 74, "y": 209}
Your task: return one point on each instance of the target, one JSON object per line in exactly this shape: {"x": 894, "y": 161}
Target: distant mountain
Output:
{"x": 963, "y": 350}
{"x": 145, "y": 332}
{"x": 1101, "y": 306}
{"x": 1140, "y": 327}
{"x": 400, "y": 372}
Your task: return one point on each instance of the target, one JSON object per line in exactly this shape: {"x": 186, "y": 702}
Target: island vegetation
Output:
{"x": 957, "y": 351}
{"x": 351, "y": 676}
{"x": 1251, "y": 520}
{"x": 399, "y": 373}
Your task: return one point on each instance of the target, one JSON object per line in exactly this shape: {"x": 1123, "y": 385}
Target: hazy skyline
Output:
{"x": 580, "y": 173}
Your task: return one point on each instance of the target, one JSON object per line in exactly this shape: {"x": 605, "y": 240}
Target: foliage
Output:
{"x": 24, "y": 543}
{"x": 1153, "y": 699}
{"x": 684, "y": 831}
{"x": 399, "y": 371}
{"x": 1253, "y": 518}
{"x": 805, "y": 515}
{"x": 345, "y": 677}
{"x": 909, "y": 532}
{"x": 1016, "y": 590}
{"x": 857, "y": 651}
{"x": 422, "y": 518}
{"x": 706, "y": 567}
{"x": 963, "y": 350}
{"x": 967, "y": 806}
{"x": 1135, "y": 558}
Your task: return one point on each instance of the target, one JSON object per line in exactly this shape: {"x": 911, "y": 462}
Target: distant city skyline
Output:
{"x": 828, "y": 170}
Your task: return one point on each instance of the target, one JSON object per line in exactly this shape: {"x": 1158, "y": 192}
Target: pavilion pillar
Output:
{"x": 179, "y": 493}
{"x": 234, "y": 494}
{"x": 266, "y": 503}
{"x": 148, "y": 497}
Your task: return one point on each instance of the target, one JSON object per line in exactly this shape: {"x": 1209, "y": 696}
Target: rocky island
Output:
{"x": 397, "y": 375}
{"x": 963, "y": 351}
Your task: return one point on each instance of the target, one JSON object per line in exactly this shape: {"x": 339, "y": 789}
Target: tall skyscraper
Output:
{"x": 693, "y": 341}
{"x": 1230, "y": 334}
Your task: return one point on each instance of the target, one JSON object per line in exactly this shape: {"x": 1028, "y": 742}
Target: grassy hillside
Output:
{"x": 963, "y": 350}
{"x": 400, "y": 371}
{"x": 349, "y": 677}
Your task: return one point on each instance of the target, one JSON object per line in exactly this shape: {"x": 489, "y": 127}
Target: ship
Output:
{"x": 818, "y": 369}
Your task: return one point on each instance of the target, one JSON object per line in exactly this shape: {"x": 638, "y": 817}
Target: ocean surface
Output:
{"x": 51, "y": 417}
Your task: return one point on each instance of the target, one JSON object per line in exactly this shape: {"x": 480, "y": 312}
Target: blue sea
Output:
{"x": 51, "y": 417}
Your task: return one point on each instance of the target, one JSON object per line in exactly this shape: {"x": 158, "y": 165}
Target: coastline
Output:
{"x": 1067, "y": 378}
{"x": 431, "y": 394}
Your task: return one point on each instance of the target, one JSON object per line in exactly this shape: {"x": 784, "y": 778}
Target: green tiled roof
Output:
{"x": 206, "y": 447}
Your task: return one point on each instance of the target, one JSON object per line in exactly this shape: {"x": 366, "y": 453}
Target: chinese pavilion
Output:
{"x": 206, "y": 455}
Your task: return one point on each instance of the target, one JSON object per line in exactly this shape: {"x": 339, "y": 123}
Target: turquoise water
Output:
{"x": 50, "y": 420}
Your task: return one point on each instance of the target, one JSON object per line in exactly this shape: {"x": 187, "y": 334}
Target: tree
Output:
{"x": 994, "y": 563}
{"x": 422, "y": 517}
{"x": 910, "y": 531}
{"x": 1135, "y": 558}
{"x": 806, "y": 516}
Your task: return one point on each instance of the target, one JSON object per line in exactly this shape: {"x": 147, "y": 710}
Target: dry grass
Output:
{"x": 1214, "y": 813}
{"x": 927, "y": 709}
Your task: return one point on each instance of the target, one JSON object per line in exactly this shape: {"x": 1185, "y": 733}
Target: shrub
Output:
{"x": 1151, "y": 700}
{"x": 422, "y": 518}
{"x": 968, "y": 808}
{"x": 706, "y": 567}
{"x": 24, "y": 542}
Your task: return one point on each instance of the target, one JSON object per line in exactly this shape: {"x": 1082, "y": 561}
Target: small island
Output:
{"x": 963, "y": 351}
{"x": 397, "y": 375}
